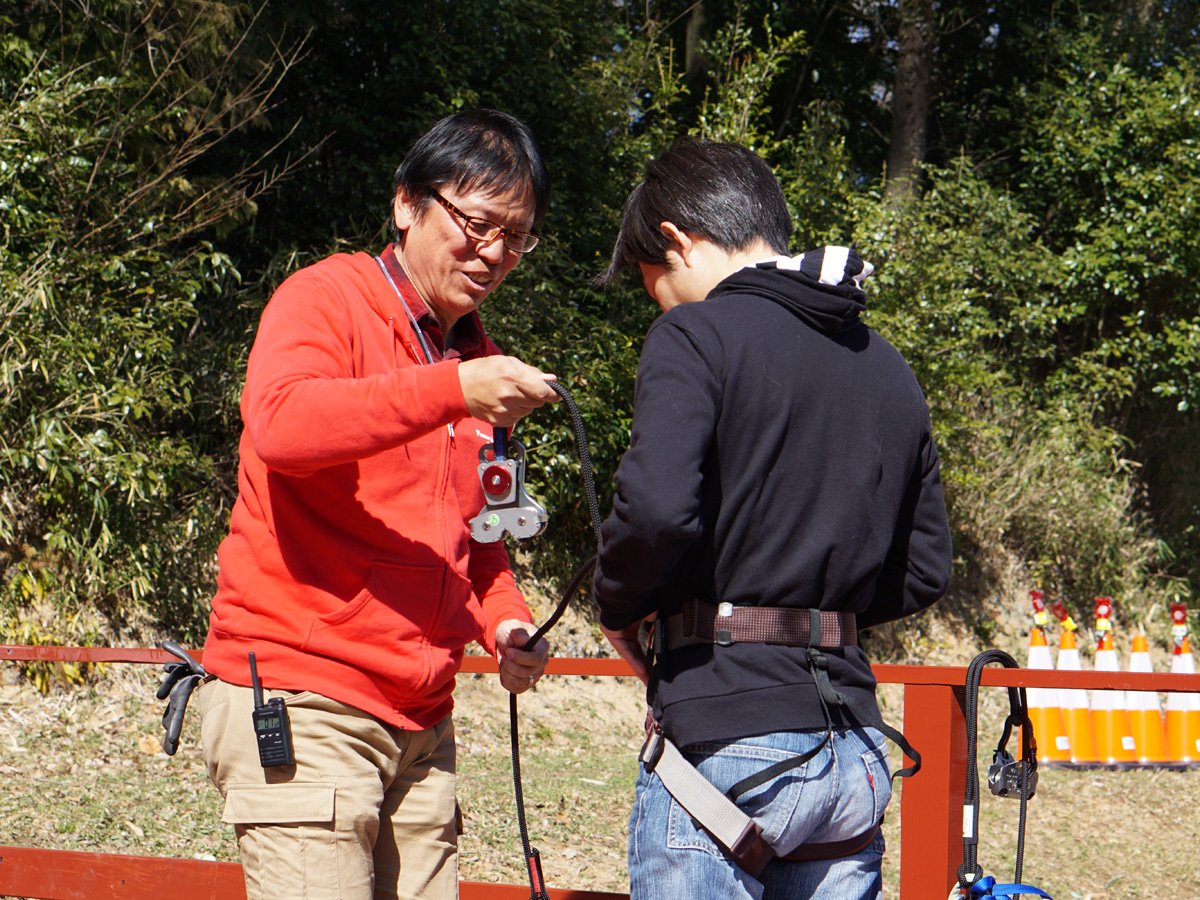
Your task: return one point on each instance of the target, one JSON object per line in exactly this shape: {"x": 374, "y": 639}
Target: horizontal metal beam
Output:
{"x": 930, "y": 842}
{"x": 1051, "y": 678}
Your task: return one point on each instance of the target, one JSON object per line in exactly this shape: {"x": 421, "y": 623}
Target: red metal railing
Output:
{"x": 930, "y": 805}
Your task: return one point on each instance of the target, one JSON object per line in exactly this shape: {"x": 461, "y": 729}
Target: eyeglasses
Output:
{"x": 485, "y": 232}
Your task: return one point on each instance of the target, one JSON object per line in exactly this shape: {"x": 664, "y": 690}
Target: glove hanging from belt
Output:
{"x": 180, "y": 680}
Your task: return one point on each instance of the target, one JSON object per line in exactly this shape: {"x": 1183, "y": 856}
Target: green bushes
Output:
{"x": 1035, "y": 470}
{"x": 121, "y": 330}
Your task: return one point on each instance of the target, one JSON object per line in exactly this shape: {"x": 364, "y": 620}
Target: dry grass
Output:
{"x": 579, "y": 743}
{"x": 83, "y": 769}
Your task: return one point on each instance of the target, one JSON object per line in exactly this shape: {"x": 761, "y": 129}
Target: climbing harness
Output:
{"x": 1007, "y": 777}
{"x": 737, "y": 833}
{"x": 726, "y": 624}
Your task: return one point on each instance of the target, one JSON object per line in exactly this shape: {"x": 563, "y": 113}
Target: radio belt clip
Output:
{"x": 271, "y": 726}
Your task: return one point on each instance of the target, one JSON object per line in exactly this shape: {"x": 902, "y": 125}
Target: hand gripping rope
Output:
{"x": 1006, "y": 778}
{"x": 512, "y": 498}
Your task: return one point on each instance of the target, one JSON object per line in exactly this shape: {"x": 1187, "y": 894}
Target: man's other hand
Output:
{"x": 519, "y": 669}
{"x": 627, "y": 643}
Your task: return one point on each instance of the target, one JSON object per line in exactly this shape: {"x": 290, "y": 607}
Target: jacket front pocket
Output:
{"x": 397, "y": 606}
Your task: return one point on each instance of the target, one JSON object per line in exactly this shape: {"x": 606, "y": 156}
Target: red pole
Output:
{"x": 931, "y": 802}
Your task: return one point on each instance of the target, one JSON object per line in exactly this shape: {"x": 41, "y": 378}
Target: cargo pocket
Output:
{"x": 279, "y": 804}
{"x": 286, "y": 839}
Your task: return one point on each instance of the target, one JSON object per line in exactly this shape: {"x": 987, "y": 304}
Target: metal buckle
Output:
{"x": 1004, "y": 776}
{"x": 724, "y": 636}
{"x": 751, "y": 851}
{"x": 654, "y": 744}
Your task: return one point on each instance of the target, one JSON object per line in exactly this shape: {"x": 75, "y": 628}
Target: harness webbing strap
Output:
{"x": 989, "y": 887}
{"x": 835, "y": 849}
{"x": 739, "y": 835}
{"x": 718, "y": 812}
{"x": 771, "y": 772}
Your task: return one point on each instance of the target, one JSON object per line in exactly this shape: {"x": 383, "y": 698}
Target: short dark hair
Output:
{"x": 471, "y": 150}
{"x": 720, "y": 191}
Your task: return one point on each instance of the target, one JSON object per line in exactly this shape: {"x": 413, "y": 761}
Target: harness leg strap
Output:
{"x": 737, "y": 833}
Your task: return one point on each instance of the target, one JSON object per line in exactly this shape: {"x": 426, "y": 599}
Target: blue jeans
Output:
{"x": 838, "y": 794}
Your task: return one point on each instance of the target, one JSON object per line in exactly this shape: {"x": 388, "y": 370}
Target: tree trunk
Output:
{"x": 699, "y": 30}
{"x": 910, "y": 95}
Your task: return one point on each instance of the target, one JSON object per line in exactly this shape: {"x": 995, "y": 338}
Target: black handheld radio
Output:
{"x": 271, "y": 726}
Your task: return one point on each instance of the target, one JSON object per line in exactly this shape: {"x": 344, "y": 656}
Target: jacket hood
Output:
{"x": 821, "y": 287}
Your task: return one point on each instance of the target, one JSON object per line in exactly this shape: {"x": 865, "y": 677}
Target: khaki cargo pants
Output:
{"x": 367, "y": 811}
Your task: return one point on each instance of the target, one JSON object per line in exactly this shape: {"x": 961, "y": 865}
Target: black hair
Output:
{"x": 719, "y": 191}
{"x": 472, "y": 150}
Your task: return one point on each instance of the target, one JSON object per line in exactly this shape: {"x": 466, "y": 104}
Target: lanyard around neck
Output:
{"x": 412, "y": 320}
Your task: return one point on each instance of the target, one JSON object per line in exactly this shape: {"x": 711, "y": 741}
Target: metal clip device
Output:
{"x": 1004, "y": 776}
{"x": 507, "y": 507}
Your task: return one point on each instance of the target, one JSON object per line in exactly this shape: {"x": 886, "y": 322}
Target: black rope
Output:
{"x": 1028, "y": 765}
{"x": 533, "y": 862}
{"x": 585, "y": 457}
{"x": 970, "y": 871}
{"x": 1021, "y": 823}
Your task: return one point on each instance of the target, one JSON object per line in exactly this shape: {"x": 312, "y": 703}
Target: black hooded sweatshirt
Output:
{"x": 781, "y": 455}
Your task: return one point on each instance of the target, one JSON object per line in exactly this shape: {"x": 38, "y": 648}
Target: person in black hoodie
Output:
{"x": 781, "y": 491}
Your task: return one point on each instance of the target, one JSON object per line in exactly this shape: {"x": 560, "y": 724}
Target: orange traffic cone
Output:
{"x": 1183, "y": 710}
{"x": 1145, "y": 712}
{"x": 1110, "y": 722}
{"x": 1045, "y": 708}
{"x": 1076, "y": 714}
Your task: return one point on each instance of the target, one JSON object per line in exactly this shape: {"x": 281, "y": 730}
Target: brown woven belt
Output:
{"x": 704, "y": 623}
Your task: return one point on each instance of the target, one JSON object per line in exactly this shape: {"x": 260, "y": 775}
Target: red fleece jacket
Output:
{"x": 349, "y": 568}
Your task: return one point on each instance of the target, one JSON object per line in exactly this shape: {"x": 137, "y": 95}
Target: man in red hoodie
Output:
{"x": 349, "y": 570}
